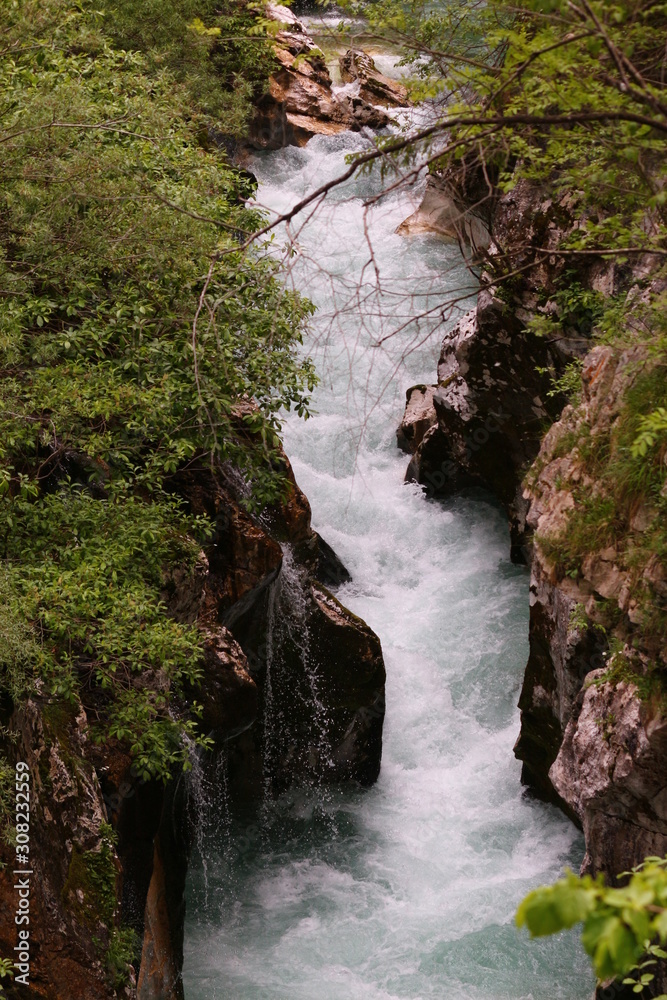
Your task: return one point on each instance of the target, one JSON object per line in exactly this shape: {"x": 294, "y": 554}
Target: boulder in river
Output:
{"x": 300, "y": 101}
{"x": 418, "y": 418}
{"x": 374, "y": 87}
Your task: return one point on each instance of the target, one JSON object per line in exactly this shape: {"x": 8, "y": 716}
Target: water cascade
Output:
{"x": 287, "y": 634}
{"x": 405, "y": 891}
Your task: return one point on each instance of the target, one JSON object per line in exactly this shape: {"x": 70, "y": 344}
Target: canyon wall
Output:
{"x": 593, "y": 733}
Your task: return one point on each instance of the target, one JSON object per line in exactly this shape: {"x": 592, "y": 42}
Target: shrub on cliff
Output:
{"x": 131, "y": 329}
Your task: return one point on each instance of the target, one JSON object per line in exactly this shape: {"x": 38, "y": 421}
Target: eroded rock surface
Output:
{"x": 418, "y": 418}
{"x": 301, "y": 102}
{"x": 70, "y": 919}
{"x": 490, "y": 403}
{"x": 441, "y": 212}
{"x": 357, "y": 66}
{"x": 610, "y": 577}
{"x": 610, "y": 770}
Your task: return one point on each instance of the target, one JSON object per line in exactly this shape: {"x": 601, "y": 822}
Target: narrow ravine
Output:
{"x": 406, "y": 891}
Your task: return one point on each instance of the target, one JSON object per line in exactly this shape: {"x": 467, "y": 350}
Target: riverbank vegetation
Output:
{"x": 132, "y": 327}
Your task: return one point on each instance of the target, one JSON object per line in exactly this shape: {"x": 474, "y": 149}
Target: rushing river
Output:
{"x": 406, "y": 891}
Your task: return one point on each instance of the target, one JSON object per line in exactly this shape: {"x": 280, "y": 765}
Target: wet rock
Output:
{"x": 440, "y": 212}
{"x": 228, "y": 694}
{"x": 68, "y": 932}
{"x": 418, "y": 418}
{"x": 322, "y": 655}
{"x": 491, "y": 403}
{"x": 159, "y": 978}
{"x": 330, "y": 571}
{"x": 300, "y": 102}
{"x": 357, "y": 66}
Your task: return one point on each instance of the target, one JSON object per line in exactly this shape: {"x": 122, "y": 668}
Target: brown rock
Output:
{"x": 67, "y": 935}
{"x": 419, "y": 416}
{"x": 159, "y": 978}
{"x": 300, "y": 102}
{"x": 374, "y": 87}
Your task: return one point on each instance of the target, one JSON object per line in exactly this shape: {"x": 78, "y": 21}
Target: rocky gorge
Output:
{"x": 293, "y": 682}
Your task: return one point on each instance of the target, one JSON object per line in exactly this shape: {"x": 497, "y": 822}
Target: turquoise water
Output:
{"x": 405, "y": 891}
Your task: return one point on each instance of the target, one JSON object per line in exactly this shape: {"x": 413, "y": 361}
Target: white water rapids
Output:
{"x": 406, "y": 891}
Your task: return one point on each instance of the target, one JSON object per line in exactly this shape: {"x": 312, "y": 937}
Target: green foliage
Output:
{"x": 619, "y": 925}
{"x": 124, "y": 949}
{"x": 652, "y": 429}
{"x": 579, "y": 621}
{"x": 142, "y": 310}
{"x": 559, "y": 91}
{"x": 93, "y": 874}
{"x": 569, "y": 383}
{"x": 18, "y": 646}
{"x": 6, "y": 970}
{"x": 135, "y": 338}
{"x": 220, "y": 51}
{"x": 7, "y": 791}
{"x": 648, "y": 679}
{"x": 87, "y": 573}
{"x": 575, "y": 309}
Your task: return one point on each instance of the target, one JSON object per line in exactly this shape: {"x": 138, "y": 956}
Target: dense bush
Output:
{"x": 131, "y": 328}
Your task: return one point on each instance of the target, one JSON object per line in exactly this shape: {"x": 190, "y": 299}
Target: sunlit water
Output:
{"x": 406, "y": 891}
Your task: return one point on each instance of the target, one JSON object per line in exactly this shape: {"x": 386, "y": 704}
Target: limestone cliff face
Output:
{"x": 110, "y": 850}
{"x": 597, "y": 749}
{"x": 610, "y": 770}
{"x": 576, "y": 730}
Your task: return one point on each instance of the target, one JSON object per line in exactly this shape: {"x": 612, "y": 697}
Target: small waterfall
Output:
{"x": 197, "y": 803}
{"x": 288, "y": 635}
{"x": 271, "y": 720}
{"x": 207, "y": 792}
